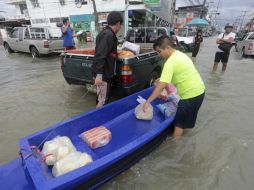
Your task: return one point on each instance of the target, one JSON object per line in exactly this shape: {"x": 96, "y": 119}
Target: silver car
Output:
{"x": 34, "y": 40}
{"x": 245, "y": 46}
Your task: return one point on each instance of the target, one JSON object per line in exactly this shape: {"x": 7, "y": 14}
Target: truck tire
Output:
{"x": 7, "y": 48}
{"x": 35, "y": 53}
{"x": 153, "y": 77}
{"x": 243, "y": 53}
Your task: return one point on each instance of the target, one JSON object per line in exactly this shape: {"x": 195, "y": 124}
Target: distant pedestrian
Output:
{"x": 198, "y": 39}
{"x": 173, "y": 35}
{"x": 68, "y": 42}
{"x": 225, "y": 41}
{"x": 104, "y": 65}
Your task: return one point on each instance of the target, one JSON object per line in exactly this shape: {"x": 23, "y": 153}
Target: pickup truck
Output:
{"x": 34, "y": 40}
{"x": 245, "y": 45}
{"x": 133, "y": 73}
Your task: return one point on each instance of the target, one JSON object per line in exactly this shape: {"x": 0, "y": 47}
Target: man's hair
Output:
{"x": 164, "y": 41}
{"x": 65, "y": 20}
{"x": 114, "y": 17}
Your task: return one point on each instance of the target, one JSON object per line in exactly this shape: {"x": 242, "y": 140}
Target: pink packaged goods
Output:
{"x": 97, "y": 137}
{"x": 170, "y": 89}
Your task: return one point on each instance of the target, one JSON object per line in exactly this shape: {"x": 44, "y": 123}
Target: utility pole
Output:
{"x": 244, "y": 14}
{"x": 203, "y": 9}
{"x": 96, "y": 16}
{"x": 173, "y": 8}
{"x": 217, "y": 8}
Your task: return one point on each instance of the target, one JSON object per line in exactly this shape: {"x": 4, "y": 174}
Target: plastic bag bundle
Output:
{"x": 71, "y": 162}
{"x": 140, "y": 114}
{"x": 131, "y": 46}
{"x": 57, "y": 149}
{"x": 168, "y": 109}
{"x": 125, "y": 54}
{"x": 97, "y": 137}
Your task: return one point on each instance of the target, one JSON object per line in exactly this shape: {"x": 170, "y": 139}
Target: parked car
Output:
{"x": 34, "y": 40}
{"x": 245, "y": 46}
{"x": 239, "y": 36}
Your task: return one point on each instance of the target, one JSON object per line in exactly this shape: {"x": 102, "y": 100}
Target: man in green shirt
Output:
{"x": 180, "y": 71}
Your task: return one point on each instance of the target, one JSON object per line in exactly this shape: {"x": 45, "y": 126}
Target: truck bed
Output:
{"x": 77, "y": 66}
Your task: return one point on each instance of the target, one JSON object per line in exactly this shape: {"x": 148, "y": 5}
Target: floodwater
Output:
{"x": 217, "y": 154}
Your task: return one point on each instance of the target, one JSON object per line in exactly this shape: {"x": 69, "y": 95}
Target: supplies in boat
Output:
{"x": 170, "y": 96}
{"x": 140, "y": 114}
{"x": 97, "y": 137}
{"x": 71, "y": 162}
{"x": 168, "y": 109}
{"x": 57, "y": 149}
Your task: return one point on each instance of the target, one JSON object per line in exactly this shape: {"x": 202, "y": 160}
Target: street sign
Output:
{"x": 155, "y": 9}
{"x": 152, "y": 2}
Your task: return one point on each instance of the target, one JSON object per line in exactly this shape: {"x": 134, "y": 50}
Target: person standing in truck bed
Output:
{"x": 104, "y": 65}
{"x": 68, "y": 42}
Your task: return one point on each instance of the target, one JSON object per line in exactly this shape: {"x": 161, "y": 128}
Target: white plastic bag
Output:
{"x": 140, "y": 114}
{"x": 132, "y": 47}
{"x": 71, "y": 162}
{"x": 57, "y": 149}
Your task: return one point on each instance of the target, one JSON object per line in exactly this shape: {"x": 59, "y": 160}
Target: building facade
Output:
{"x": 21, "y": 9}
{"x": 185, "y": 14}
{"x": 135, "y": 12}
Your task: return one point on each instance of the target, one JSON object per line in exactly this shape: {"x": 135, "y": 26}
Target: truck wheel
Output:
{"x": 34, "y": 52}
{"x": 7, "y": 48}
{"x": 153, "y": 77}
{"x": 243, "y": 53}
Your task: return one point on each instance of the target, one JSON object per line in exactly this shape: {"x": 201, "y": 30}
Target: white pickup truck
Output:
{"x": 34, "y": 40}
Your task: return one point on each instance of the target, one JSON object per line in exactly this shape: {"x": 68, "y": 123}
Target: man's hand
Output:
{"x": 145, "y": 106}
{"x": 98, "y": 81}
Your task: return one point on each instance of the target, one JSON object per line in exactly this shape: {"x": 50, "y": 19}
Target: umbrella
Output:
{"x": 198, "y": 22}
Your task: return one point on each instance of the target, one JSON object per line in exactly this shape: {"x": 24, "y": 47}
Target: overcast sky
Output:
{"x": 229, "y": 9}
{"x": 8, "y": 9}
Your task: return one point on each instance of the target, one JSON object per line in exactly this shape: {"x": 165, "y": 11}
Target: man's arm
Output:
{"x": 104, "y": 47}
{"x": 219, "y": 39}
{"x": 230, "y": 40}
{"x": 64, "y": 28}
{"x": 156, "y": 92}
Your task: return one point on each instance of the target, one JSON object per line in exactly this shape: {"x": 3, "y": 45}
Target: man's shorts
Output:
{"x": 221, "y": 56}
{"x": 187, "y": 112}
{"x": 103, "y": 93}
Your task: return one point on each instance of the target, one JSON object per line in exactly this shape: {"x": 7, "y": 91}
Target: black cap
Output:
{"x": 229, "y": 25}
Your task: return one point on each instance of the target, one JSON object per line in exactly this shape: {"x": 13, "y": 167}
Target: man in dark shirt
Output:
{"x": 198, "y": 39}
{"x": 104, "y": 66}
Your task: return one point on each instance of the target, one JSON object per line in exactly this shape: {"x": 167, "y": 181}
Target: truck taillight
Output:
{"x": 126, "y": 76}
{"x": 46, "y": 44}
{"x": 250, "y": 46}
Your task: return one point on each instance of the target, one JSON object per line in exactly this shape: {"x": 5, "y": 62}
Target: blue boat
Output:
{"x": 132, "y": 139}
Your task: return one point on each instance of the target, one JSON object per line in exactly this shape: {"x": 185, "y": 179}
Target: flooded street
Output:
{"x": 217, "y": 154}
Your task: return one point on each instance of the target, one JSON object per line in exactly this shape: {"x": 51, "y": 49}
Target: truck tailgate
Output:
{"x": 55, "y": 44}
{"x": 78, "y": 67}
